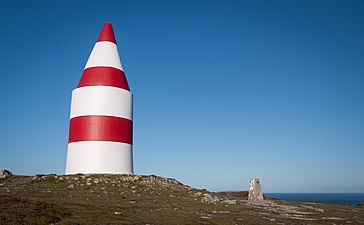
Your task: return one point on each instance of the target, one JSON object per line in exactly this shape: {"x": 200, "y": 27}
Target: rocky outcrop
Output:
{"x": 5, "y": 173}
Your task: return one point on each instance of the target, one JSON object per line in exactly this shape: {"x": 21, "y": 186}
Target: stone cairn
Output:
{"x": 255, "y": 190}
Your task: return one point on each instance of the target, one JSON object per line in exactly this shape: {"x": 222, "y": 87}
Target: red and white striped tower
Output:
{"x": 101, "y": 127}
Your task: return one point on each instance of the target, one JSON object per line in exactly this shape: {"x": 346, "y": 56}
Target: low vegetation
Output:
{"x": 135, "y": 199}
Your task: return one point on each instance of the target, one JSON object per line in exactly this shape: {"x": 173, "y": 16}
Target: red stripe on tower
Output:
{"x": 107, "y": 33}
{"x": 104, "y": 76}
{"x": 100, "y": 128}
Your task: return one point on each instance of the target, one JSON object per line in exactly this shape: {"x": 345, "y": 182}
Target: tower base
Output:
{"x": 91, "y": 157}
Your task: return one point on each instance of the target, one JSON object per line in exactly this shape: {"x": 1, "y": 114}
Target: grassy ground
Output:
{"x": 131, "y": 199}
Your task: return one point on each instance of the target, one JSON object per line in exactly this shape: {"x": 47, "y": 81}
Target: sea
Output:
{"x": 339, "y": 198}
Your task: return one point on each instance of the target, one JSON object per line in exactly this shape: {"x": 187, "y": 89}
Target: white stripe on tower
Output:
{"x": 100, "y": 138}
{"x": 101, "y": 100}
{"x": 97, "y": 160}
{"x": 104, "y": 53}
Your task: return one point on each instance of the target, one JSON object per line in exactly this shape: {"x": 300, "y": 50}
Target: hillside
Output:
{"x": 135, "y": 199}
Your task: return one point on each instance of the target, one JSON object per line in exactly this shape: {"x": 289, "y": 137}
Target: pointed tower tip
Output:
{"x": 107, "y": 33}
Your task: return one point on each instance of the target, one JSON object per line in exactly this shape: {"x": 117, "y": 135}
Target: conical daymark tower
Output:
{"x": 101, "y": 127}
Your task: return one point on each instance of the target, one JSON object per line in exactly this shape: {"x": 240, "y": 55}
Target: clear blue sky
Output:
{"x": 223, "y": 90}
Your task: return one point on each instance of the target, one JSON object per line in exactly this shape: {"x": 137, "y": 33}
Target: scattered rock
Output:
{"x": 205, "y": 217}
{"x": 71, "y": 186}
{"x": 230, "y": 202}
{"x": 332, "y": 218}
{"x": 312, "y": 208}
{"x": 5, "y": 173}
{"x": 210, "y": 199}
